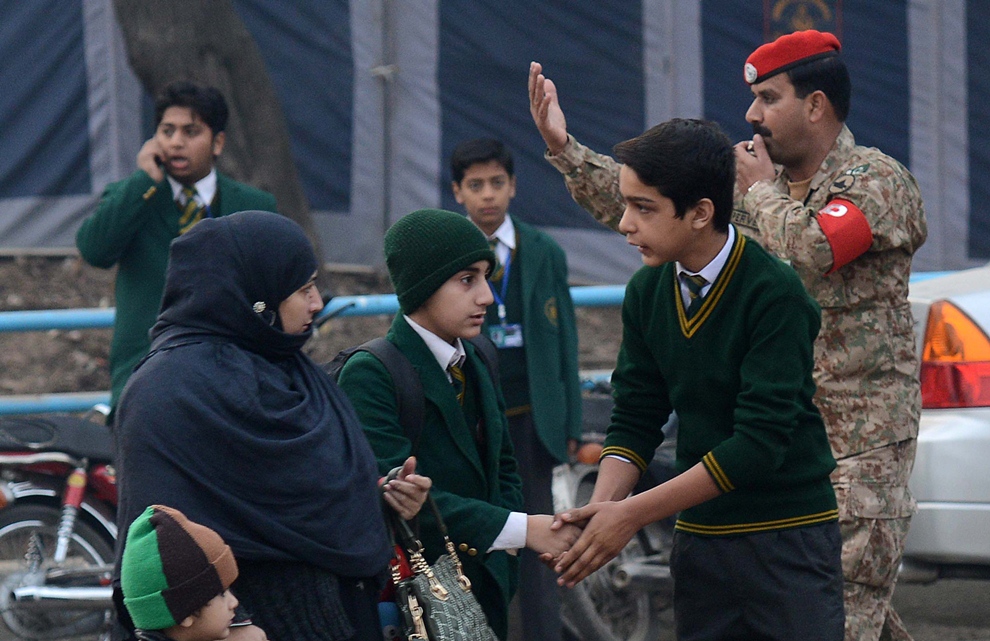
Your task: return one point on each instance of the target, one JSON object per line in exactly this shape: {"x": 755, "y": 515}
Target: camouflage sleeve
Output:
{"x": 874, "y": 206}
{"x": 593, "y": 180}
{"x": 786, "y": 227}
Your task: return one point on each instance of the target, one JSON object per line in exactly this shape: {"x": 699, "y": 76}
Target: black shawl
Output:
{"x": 227, "y": 420}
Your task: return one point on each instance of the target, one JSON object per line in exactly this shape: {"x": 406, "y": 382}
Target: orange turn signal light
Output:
{"x": 955, "y": 360}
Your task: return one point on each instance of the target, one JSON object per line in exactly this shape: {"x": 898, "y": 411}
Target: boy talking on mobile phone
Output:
{"x": 175, "y": 186}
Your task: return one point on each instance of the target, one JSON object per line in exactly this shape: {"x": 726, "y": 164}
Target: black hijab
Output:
{"x": 227, "y": 420}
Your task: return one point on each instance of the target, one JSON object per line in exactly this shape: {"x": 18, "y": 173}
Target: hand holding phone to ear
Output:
{"x": 152, "y": 160}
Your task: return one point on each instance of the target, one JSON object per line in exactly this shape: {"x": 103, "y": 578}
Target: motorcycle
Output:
{"x": 57, "y": 527}
{"x": 630, "y": 598}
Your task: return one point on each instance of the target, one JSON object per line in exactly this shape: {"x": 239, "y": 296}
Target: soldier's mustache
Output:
{"x": 763, "y": 131}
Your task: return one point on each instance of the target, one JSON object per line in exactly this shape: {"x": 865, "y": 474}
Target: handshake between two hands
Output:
{"x": 574, "y": 543}
{"x": 579, "y": 541}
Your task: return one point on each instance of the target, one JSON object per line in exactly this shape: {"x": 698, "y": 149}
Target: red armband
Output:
{"x": 847, "y": 231}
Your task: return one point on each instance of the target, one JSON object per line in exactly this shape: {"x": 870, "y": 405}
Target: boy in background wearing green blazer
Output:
{"x": 532, "y": 323}
{"x": 721, "y": 332}
{"x": 438, "y": 263}
{"x": 175, "y": 186}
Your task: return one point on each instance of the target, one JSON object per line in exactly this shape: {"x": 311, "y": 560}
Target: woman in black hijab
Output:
{"x": 228, "y": 421}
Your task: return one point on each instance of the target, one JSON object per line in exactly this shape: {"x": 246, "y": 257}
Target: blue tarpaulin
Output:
{"x": 377, "y": 94}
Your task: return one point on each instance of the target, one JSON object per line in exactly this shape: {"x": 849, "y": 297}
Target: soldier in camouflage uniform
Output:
{"x": 848, "y": 218}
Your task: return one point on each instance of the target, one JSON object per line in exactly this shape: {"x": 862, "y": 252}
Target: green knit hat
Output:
{"x": 427, "y": 247}
{"x": 172, "y": 567}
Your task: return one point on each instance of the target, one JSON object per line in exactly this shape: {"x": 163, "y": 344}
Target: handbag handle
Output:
{"x": 414, "y": 547}
{"x": 409, "y": 539}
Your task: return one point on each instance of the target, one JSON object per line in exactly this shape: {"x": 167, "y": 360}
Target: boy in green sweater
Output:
{"x": 721, "y": 332}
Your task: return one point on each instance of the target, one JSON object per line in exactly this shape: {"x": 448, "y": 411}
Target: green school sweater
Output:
{"x": 739, "y": 375}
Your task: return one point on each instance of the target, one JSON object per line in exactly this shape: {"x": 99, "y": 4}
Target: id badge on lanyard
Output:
{"x": 504, "y": 334}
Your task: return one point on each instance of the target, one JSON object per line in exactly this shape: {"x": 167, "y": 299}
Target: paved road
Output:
{"x": 952, "y": 610}
{"x": 955, "y": 610}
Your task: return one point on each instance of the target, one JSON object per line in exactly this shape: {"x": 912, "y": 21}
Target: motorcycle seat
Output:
{"x": 74, "y": 436}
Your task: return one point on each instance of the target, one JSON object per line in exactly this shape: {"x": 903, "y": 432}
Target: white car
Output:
{"x": 950, "y": 534}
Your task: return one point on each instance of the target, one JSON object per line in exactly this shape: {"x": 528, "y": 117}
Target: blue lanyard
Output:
{"x": 500, "y": 299}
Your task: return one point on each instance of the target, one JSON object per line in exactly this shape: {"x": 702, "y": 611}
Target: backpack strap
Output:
{"x": 409, "y": 395}
{"x": 489, "y": 355}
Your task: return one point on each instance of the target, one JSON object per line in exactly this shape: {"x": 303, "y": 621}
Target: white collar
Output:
{"x": 445, "y": 353}
{"x": 711, "y": 271}
{"x": 206, "y": 187}
{"x": 506, "y": 233}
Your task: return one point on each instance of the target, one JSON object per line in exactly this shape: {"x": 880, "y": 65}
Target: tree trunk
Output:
{"x": 207, "y": 42}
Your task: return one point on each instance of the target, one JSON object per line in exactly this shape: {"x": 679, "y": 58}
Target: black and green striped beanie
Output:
{"x": 172, "y": 567}
{"x": 425, "y": 248}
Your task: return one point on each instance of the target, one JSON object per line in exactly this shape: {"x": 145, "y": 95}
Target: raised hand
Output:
{"x": 753, "y": 163}
{"x": 149, "y": 158}
{"x": 407, "y": 492}
{"x": 545, "y": 109}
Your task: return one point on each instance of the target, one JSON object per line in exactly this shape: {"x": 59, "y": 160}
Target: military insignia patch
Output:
{"x": 550, "y": 310}
{"x": 750, "y": 73}
{"x": 742, "y": 218}
{"x": 858, "y": 171}
{"x": 843, "y": 184}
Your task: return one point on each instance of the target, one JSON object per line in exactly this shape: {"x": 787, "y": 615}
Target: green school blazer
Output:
{"x": 132, "y": 228}
{"x": 550, "y": 330}
{"x": 475, "y": 492}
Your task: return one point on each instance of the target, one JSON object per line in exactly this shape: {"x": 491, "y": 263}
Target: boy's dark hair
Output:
{"x": 685, "y": 160}
{"x": 479, "y": 150}
{"x": 828, "y": 75}
{"x": 204, "y": 101}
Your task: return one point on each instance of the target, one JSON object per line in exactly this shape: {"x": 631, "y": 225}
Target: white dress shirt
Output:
{"x": 513, "y": 534}
{"x": 506, "y": 236}
{"x": 709, "y": 272}
{"x": 206, "y": 189}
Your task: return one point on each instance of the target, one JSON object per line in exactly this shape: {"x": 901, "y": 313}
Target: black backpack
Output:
{"x": 409, "y": 396}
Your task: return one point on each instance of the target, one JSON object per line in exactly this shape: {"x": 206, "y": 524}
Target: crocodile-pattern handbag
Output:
{"x": 436, "y": 602}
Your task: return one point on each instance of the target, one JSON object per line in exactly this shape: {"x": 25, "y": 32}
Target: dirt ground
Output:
{"x": 76, "y": 360}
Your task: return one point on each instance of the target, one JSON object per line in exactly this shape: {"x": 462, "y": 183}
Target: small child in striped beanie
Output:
{"x": 175, "y": 575}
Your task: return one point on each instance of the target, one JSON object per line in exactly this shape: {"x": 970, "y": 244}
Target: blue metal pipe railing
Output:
{"x": 43, "y": 320}
{"x": 49, "y": 403}
{"x": 369, "y": 305}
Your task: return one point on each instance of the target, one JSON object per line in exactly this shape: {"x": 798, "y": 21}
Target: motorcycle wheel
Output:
{"x": 594, "y": 610}
{"x": 17, "y": 523}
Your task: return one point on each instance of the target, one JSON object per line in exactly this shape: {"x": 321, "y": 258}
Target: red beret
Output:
{"x": 789, "y": 51}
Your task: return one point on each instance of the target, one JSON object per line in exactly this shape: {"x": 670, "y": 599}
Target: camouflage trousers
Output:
{"x": 875, "y": 508}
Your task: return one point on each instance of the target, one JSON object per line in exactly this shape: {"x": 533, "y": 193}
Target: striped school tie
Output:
{"x": 458, "y": 380}
{"x": 695, "y": 283}
{"x": 192, "y": 211}
{"x": 497, "y": 268}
